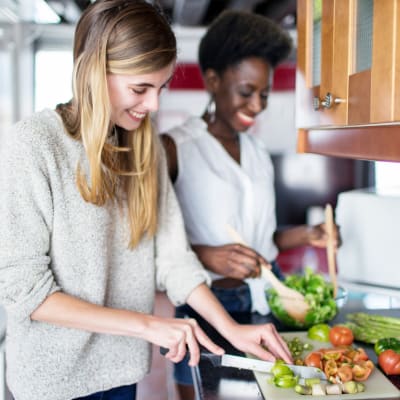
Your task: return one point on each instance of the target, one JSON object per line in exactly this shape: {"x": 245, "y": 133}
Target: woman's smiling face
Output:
{"x": 241, "y": 94}
{"x": 132, "y": 97}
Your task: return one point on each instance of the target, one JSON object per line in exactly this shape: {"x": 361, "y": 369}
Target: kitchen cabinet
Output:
{"x": 348, "y": 78}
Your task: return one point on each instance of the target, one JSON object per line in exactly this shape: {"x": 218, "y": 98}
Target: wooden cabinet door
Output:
{"x": 361, "y": 119}
{"x": 323, "y": 61}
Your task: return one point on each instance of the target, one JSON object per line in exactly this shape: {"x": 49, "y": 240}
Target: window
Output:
{"x": 387, "y": 174}
{"x": 53, "y": 78}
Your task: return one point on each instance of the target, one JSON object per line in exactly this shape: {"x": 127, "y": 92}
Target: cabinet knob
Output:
{"x": 329, "y": 100}
{"x": 316, "y": 103}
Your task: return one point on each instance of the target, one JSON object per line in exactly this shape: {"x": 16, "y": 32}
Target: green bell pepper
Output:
{"x": 386, "y": 344}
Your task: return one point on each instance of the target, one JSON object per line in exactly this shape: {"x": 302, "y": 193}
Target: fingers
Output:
{"x": 267, "y": 344}
{"x": 187, "y": 340}
{"x": 275, "y": 343}
{"x": 244, "y": 261}
{"x": 206, "y": 342}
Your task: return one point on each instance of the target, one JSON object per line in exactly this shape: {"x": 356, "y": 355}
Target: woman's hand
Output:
{"x": 254, "y": 339}
{"x": 262, "y": 341}
{"x": 318, "y": 236}
{"x": 231, "y": 260}
{"x": 179, "y": 336}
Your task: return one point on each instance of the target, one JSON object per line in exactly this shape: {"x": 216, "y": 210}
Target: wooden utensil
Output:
{"x": 293, "y": 301}
{"x": 330, "y": 247}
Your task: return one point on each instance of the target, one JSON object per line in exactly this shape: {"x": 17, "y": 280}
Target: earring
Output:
{"x": 211, "y": 110}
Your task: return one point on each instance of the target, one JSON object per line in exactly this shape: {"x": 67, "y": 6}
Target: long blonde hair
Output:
{"x": 120, "y": 37}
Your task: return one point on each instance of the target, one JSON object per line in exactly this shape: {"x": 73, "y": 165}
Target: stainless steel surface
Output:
{"x": 329, "y": 101}
{"x": 254, "y": 364}
{"x": 316, "y": 103}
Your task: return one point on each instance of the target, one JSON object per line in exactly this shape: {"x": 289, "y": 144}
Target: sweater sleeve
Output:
{"x": 26, "y": 221}
{"x": 178, "y": 269}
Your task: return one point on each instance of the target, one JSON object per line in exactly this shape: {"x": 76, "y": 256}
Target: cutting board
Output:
{"x": 376, "y": 387}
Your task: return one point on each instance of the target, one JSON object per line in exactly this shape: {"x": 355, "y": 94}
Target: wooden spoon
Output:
{"x": 293, "y": 301}
{"x": 330, "y": 247}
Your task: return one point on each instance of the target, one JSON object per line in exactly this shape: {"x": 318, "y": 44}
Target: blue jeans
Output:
{"x": 118, "y": 393}
{"x": 235, "y": 300}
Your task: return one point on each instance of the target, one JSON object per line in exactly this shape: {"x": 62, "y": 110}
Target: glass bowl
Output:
{"x": 322, "y": 308}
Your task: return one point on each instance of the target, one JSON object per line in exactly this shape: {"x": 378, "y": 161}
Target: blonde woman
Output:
{"x": 90, "y": 226}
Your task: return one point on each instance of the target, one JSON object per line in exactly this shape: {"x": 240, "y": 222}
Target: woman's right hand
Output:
{"x": 231, "y": 260}
{"x": 179, "y": 335}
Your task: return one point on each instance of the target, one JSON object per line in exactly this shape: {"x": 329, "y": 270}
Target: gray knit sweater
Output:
{"x": 52, "y": 240}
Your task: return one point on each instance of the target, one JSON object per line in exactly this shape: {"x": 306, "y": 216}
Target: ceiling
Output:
{"x": 180, "y": 12}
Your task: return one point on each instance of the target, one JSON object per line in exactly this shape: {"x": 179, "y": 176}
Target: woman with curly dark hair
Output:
{"x": 223, "y": 176}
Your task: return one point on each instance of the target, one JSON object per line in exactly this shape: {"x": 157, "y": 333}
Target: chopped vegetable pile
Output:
{"x": 317, "y": 292}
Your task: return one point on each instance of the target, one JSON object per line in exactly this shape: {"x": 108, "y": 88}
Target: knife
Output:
{"x": 254, "y": 364}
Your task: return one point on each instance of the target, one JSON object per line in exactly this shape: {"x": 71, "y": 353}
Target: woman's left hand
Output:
{"x": 262, "y": 341}
{"x": 318, "y": 236}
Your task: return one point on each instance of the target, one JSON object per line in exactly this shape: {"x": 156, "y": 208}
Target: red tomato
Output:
{"x": 345, "y": 373}
{"x": 340, "y": 335}
{"x": 332, "y": 354}
{"x": 330, "y": 368}
{"x": 360, "y": 372}
{"x": 314, "y": 359}
{"x": 360, "y": 355}
{"x": 389, "y": 361}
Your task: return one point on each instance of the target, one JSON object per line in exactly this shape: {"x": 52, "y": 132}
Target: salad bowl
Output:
{"x": 318, "y": 293}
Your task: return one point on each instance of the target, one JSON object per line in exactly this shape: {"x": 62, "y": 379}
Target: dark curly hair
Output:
{"x": 236, "y": 35}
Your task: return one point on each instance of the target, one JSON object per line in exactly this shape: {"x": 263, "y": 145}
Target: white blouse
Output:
{"x": 214, "y": 190}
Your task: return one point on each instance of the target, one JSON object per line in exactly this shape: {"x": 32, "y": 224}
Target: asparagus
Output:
{"x": 374, "y": 318}
{"x": 370, "y": 328}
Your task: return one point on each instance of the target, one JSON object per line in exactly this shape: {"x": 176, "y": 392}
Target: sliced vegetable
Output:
{"x": 302, "y": 389}
{"x": 319, "y": 332}
{"x": 331, "y": 369}
{"x": 311, "y": 381}
{"x": 387, "y": 344}
{"x": 345, "y": 373}
{"x": 361, "y": 372}
{"x": 297, "y": 347}
{"x": 352, "y": 387}
{"x": 314, "y": 359}
{"x": 341, "y": 364}
{"x": 281, "y": 369}
{"x": 286, "y": 381}
{"x": 340, "y": 335}
{"x": 318, "y": 389}
{"x": 333, "y": 388}
{"x": 389, "y": 361}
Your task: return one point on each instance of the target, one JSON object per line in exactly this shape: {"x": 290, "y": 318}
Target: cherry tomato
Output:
{"x": 361, "y": 372}
{"x": 330, "y": 368}
{"x": 332, "y": 354}
{"x": 389, "y": 361}
{"x": 360, "y": 355}
{"x": 314, "y": 359}
{"x": 340, "y": 335}
{"x": 345, "y": 373}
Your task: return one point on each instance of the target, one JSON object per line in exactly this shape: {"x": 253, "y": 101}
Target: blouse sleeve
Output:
{"x": 26, "y": 223}
{"x": 178, "y": 269}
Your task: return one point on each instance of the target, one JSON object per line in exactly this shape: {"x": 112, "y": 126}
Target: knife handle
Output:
{"x": 163, "y": 351}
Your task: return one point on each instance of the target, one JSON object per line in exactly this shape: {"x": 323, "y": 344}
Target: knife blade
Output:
{"x": 229, "y": 360}
{"x": 254, "y": 364}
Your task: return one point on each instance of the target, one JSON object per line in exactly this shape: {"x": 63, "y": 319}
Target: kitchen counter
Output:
{"x": 222, "y": 383}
